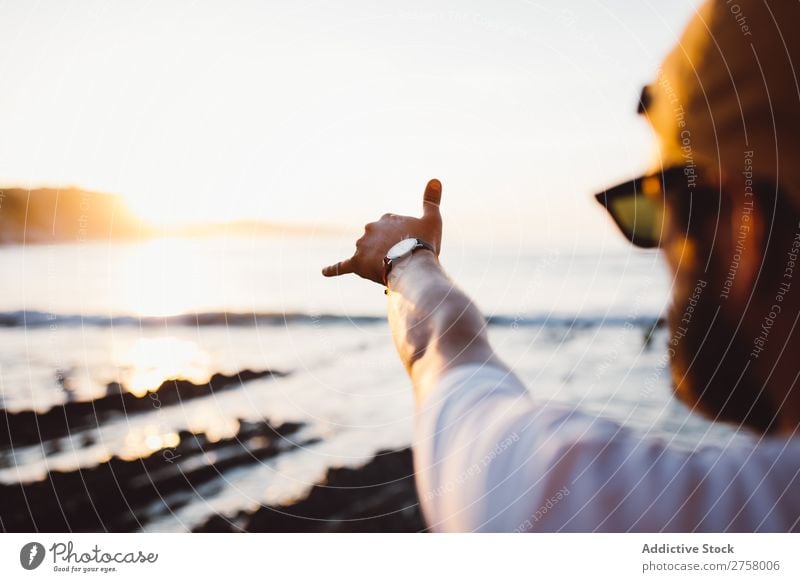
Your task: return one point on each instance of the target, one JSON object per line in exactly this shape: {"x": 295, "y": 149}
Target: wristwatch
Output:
{"x": 405, "y": 248}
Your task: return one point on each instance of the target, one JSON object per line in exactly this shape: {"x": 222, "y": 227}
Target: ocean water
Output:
{"x": 82, "y": 324}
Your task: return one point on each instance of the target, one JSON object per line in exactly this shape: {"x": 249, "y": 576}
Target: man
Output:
{"x": 724, "y": 206}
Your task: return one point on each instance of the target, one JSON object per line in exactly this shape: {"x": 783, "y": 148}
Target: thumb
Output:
{"x": 432, "y": 198}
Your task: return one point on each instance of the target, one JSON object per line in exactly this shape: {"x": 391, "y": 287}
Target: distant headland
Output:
{"x": 64, "y": 215}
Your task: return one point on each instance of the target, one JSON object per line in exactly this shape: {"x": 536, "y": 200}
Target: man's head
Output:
{"x": 725, "y": 209}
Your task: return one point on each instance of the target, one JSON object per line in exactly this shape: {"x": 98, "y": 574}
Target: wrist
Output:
{"x": 421, "y": 259}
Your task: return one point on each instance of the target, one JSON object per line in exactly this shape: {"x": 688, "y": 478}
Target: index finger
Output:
{"x": 341, "y": 268}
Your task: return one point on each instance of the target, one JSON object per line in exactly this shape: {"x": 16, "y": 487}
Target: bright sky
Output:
{"x": 332, "y": 112}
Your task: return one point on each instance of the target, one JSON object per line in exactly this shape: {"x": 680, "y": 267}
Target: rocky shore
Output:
{"x": 122, "y": 495}
{"x": 29, "y": 428}
{"x": 377, "y": 497}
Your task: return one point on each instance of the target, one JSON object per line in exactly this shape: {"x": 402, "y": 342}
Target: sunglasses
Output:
{"x": 638, "y": 206}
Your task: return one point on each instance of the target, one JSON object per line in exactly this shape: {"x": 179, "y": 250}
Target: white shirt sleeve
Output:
{"x": 487, "y": 458}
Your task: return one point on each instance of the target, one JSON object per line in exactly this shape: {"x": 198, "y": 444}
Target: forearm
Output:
{"x": 435, "y": 326}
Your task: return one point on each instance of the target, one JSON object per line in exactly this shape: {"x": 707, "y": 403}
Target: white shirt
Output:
{"x": 487, "y": 458}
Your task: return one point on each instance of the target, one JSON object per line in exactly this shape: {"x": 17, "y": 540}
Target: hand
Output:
{"x": 379, "y": 237}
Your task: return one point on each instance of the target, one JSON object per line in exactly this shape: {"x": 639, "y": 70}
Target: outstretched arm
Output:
{"x": 487, "y": 458}
{"x": 435, "y": 326}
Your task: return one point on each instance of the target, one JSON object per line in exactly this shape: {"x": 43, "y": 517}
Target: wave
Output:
{"x": 43, "y": 319}
{"x": 36, "y": 319}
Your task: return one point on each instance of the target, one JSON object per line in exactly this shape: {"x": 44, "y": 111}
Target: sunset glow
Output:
{"x": 302, "y": 114}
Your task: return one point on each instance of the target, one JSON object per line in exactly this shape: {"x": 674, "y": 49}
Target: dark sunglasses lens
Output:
{"x": 640, "y": 218}
{"x": 638, "y": 209}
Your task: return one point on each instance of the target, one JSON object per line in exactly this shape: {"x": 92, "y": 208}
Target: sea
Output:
{"x": 87, "y": 326}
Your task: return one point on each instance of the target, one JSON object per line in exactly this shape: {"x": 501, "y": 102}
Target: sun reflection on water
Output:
{"x": 214, "y": 425}
{"x": 144, "y": 441}
{"x": 148, "y": 362}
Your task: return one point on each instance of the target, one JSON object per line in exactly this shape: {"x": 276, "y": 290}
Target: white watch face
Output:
{"x": 402, "y": 248}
